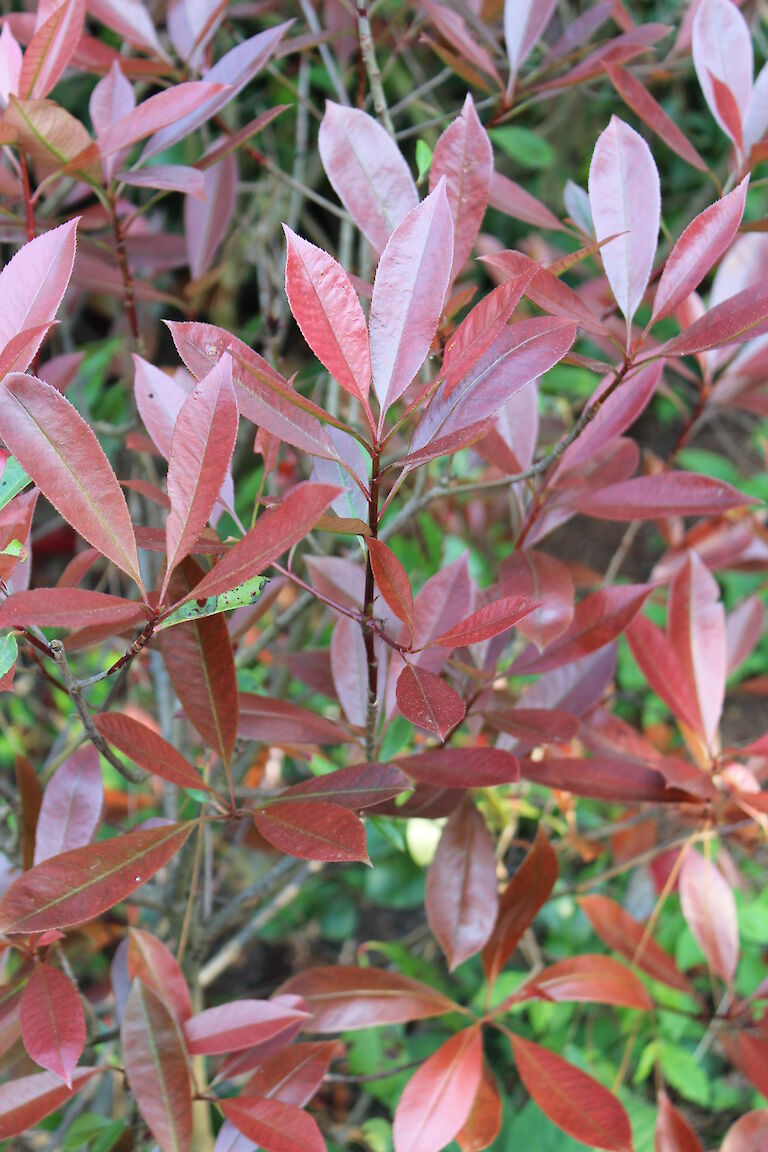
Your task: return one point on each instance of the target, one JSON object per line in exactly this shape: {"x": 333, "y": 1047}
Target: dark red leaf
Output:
{"x": 539, "y": 577}
{"x": 356, "y": 786}
{"x": 52, "y": 1021}
{"x": 461, "y": 767}
{"x": 149, "y": 750}
{"x": 484, "y": 1122}
{"x": 528, "y": 890}
{"x": 749, "y": 1133}
{"x": 668, "y": 494}
{"x": 463, "y": 155}
{"x": 429, "y": 701}
{"x": 488, "y": 621}
{"x": 735, "y": 320}
{"x": 313, "y": 830}
{"x": 70, "y": 812}
{"x": 283, "y": 722}
{"x": 70, "y": 608}
{"x": 597, "y": 620}
{"x": 343, "y": 998}
{"x": 391, "y": 580}
{"x": 593, "y": 979}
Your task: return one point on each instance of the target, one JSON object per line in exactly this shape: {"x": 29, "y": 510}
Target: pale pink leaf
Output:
{"x": 710, "y": 912}
{"x": 33, "y": 283}
{"x": 524, "y": 22}
{"x": 71, "y": 808}
{"x": 722, "y": 50}
{"x": 463, "y": 155}
{"x": 207, "y": 219}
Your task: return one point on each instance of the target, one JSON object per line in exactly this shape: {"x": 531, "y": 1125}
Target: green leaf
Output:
{"x": 524, "y": 146}
{"x": 9, "y": 650}
{"x": 240, "y": 597}
{"x": 13, "y": 479}
{"x": 14, "y": 548}
{"x": 683, "y": 1073}
{"x": 423, "y": 159}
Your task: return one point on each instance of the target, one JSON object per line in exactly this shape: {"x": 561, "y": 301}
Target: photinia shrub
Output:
{"x": 359, "y": 505}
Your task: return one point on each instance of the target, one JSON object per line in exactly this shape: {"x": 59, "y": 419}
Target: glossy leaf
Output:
{"x": 637, "y": 97}
{"x": 710, "y": 912}
{"x": 673, "y": 1132}
{"x": 313, "y": 830}
{"x": 624, "y": 197}
{"x": 149, "y": 961}
{"x": 481, "y": 327}
{"x": 80, "y": 884}
{"x": 56, "y": 447}
{"x": 148, "y": 749}
{"x": 538, "y": 577}
{"x": 428, "y": 701}
{"x": 463, "y": 155}
{"x": 52, "y": 1021}
{"x": 283, "y": 722}
{"x": 295, "y": 1074}
{"x": 274, "y": 1125}
{"x": 461, "y": 767}
{"x": 597, "y": 620}
{"x": 169, "y": 107}
{"x": 722, "y": 52}
{"x": 157, "y": 1069}
{"x": 392, "y": 581}
{"x": 696, "y": 630}
{"x": 33, "y": 283}
{"x": 367, "y": 172}
{"x": 70, "y": 812}
{"x": 625, "y": 935}
{"x": 528, "y": 890}
{"x": 571, "y": 1099}
{"x": 749, "y": 1133}
{"x": 71, "y": 608}
{"x": 523, "y": 25}
{"x": 734, "y": 320}
{"x": 236, "y": 1025}
{"x": 484, "y": 1121}
{"x": 438, "y": 1098}
{"x": 489, "y": 621}
{"x": 27, "y": 1100}
{"x": 343, "y": 998}
{"x": 50, "y": 49}
{"x": 208, "y": 216}
{"x": 356, "y": 786}
{"x": 461, "y": 898}
{"x": 591, "y": 979}
{"x": 408, "y": 294}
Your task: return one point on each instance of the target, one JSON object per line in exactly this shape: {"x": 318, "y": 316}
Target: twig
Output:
{"x": 325, "y": 53}
{"x": 368, "y": 53}
{"x": 75, "y": 693}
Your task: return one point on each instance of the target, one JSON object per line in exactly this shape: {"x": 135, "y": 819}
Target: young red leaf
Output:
{"x": 313, "y": 830}
{"x": 81, "y": 884}
{"x": 710, "y": 912}
{"x": 327, "y": 310}
{"x": 524, "y": 23}
{"x": 33, "y": 283}
{"x": 696, "y": 630}
{"x": 55, "y": 446}
{"x": 111, "y": 100}
{"x": 736, "y": 319}
{"x": 50, "y": 49}
{"x": 277, "y": 530}
{"x": 592, "y": 979}
{"x": 367, "y": 172}
{"x": 438, "y": 1098}
{"x": 461, "y": 898}
{"x": 621, "y": 932}
{"x": 463, "y": 155}
{"x": 668, "y": 494}
{"x": 707, "y": 237}
{"x": 70, "y": 812}
{"x": 295, "y": 1074}
{"x": 722, "y": 51}
{"x": 484, "y": 1121}
{"x": 408, "y": 294}
{"x": 356, "y": 786}
{"x": 661, "y": 667}
{"x": 489, "y": 621}
{"x": 429, "y": 701}
{"x": 27, "y": 1100}
{"x": 207, "y": 218}
{"x": 201, "y": 450}
{"x": 539, "y": 577}
{"x": 513, "y": 200}
{"x": 602, "y": 777}
{"x": 157, "y": 1068}
{"x": 673, "y": 1132}
{"x": 748, "y": 1134}
{"x": 749, "y": 1054}
{"x": 154, "y": 965}
{"x": 168, "y": 107}
{"x": 52, "y": 1021}
{"x": 481, "y": 327}
{"x": 624, "y": 197}
{"x": 528, "y": 890}
{"x": 462, "y": 767}
{"x": 392, "y": 580}
{"x": 236, "y": 1025}
{"x": 571, "y": 1099}
{"x": 71, "y": 608}
{"x": 283, "y": 722}
{"x": 343, "y": 998}
{"x": 535, "y": 725}
{"x": 274, "y": 1125}
{"x": 637, "y": 97}
{"x": 149, "y": 750}
{"x": 168, "y": 178}
{"x": 597, "y": 620}
{"x": 132, "y": 22}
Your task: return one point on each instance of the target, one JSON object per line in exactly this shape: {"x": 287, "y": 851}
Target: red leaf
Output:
{"x": 722, "y": 51}
{"x": 32, "y": 286}
{"x": 484, "y": 1122}
{"x": 461, "y": 767}
{"x": 512, "y": 199}
{"x": 79, "y": 885}
{"x": 207, "y": 218}
{"x": 55, "y": 446}
{"x": 528, "y": 890}
{"x": 295, "y": 1074}
{"x": 168, "y": 178}
{"x": 157, "y": 1068}
{"x": 593, "y": 979}
{"x": 748, "y": 1134}
{"x": 710, "y": 912}
{"x": 624, "y": 197}
{"x": 313, "y": 830}
{"x": 461, "y": 898}
{"x": 661, "y": 667}
{"x": 168, "y": 107}
{"x": 201, "y": 450}
{"x": 673, "y": 1132}
{"x": 546, "y": 289}
{"x": 701, "y": 245}
{"x": 71, "y": 809}
{"x": 621, "y": 932}
{"x": 27, "y": 1100}
{"x": 480, "y": 328}
{"x": 524, "y": 24}
{"x": 571, "y": 1099}
{"x": 52, "y": 1021}
{"x": 155, "y": 966}
{"x": 392, "y": 580}
{"x": 343, "y": 998}
{"x": 463, "y": 154}
{"x": 273, "y": 1125}
{"x": 735, "y": 320}
{"x": 429, "y": 701}
{"x": 438, "y": 1098}
{"x": 487, "y": 622}
{"x": 277, "y": 530}
{"x": 539, "y": 577}
{"x": 50, "y": 50}
{"x": 602, "y": 777}
{"x": 535, "y": 725}
{"x": 30, "y": 794}
{"x": 283, "y": 722}
{"x": 696, "y": 630}
{"x": 236, "y": 1025}
{"x": 408, "y": 294}
{"x": 750, "y": 1055}
{"x": 70, "y": 608}
{"x": 148, "y": 750}
{"x": 367, "y": 172}
{"x": 356, "y": 786}
{"x": 327, "y": 310}
{"x": 637, "y": 97}
{"x": 597, "y": 620}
